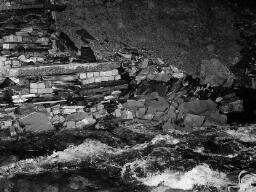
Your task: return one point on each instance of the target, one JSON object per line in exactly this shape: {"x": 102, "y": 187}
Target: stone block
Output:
{"x": 33, "y": 91}
{"x": 118, "y": 113}
{"x": 111, "y": 78}
{"x": 193, "y": 120}
{"x": 117, "y": 77}
{"x": 45, "y": 91}
{"x": 104, "y": 79}
{"x": 37, "y": 85}
{"x": 89, "y": 75}
{"x": 68, "y": 111}
{"x": 108, "y": 73}
{"x": 96, "y": 74}
{"x": 114, "y": 72}
{"x": 83, "y": 75}
{"x": 77, "y": 116}
{"x": 97, "y": 79}
{"x": 88, "y": 81}
{"x": 102, "y": 73}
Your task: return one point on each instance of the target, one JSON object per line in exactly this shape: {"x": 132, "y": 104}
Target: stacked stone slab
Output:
{"x": 41, "y": 74}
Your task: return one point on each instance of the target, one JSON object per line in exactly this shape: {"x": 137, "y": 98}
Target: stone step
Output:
{"x": 62, "y": 69}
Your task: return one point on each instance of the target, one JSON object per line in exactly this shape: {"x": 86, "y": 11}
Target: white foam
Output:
{"x": 200, "y": 175}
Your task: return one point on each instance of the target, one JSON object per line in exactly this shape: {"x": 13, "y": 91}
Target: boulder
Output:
{"x": 198, "y": 107}
{"x": 191, "y": 120}
{"x": 215, "y": 118}
{"x": 36, "y": 122}
{"x": 215, "y": 73}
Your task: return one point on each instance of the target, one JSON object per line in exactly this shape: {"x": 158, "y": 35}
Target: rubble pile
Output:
{"x": 41, "y": 72}
{"x": 173, "y": 100}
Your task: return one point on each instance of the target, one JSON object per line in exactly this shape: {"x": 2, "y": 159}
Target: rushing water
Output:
{"x": 209, "y": 157}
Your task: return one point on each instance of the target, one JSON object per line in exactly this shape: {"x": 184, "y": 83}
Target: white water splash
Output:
{"x": 245, "y": 134}
{"x": 200, "y": 175}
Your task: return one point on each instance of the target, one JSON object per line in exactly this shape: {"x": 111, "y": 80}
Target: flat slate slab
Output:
{"x": 62, "y": 69}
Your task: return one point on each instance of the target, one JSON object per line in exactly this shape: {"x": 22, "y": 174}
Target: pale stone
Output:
{"x": 97, "y": 79}
{"x": 89, "y": 75}
{"x": 96, "y": 74}
{"x": 37, "y": 85}
{"x": 33, "y": 91}
{"x": 108, "y": 73}
{"x": 102, "y": 73}
{"x": 104, "y": 79}
{"x": 68, "y": 111}
{"x": 114, "y": 72}
{"x": 45, "y": 91}
{"x": 118, "y": 77}
{"x": 82, "y": 75}
{"x": 111, "y": 78}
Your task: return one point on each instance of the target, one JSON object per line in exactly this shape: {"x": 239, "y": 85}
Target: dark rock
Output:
{"x": 215, "y": 73}
{"x": 85, "y": 34}
{"x": 36, "y": 122}
{"x": 191, "y": 120}
{"x": 67, "y": 41}
{"x": 198, "y": 107}
{"x": 87, "y": 54}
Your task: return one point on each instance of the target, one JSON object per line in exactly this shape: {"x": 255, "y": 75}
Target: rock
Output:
{"x": 89, "y": 120}
{"x": 172, "y": 115}
{"x": 36, "y": 122}
{"x": 148, "y": 117}
{"x": 118, "y": 113}
{"x": 215, "y": 73}
{"x": 76, "y": 116}
{"x": 126, "y": 114}
{"x": 68, "y": 111}
{"x": 144, "y": 63}
{"x": 191, "y": 120}
{"x": 236, "y": 106}
{"x": 134, "y": 103}
{"x": 215, "y": 118}
{"x": 155, "y": 103}
{"x": 70, "y": 124}
{"x": 51, "y": 188}
{"x": 140, "y": 112}
{"x": 198, "y": 107}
